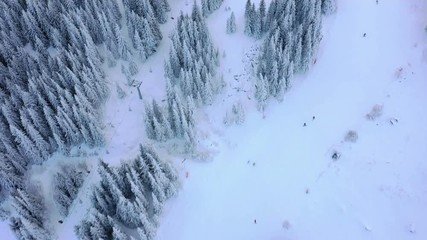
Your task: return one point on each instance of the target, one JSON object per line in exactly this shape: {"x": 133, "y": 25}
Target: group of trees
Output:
{"x": 52, "y": 86}
{"x": 189, "y": 71}
{"x": 293, "y": 35}
{"x": 66, "y": 184}
{"x": 255, "y": 19}
{"x": 235, "y": 116}
{"x": 52, "y": 82}
{"x": 29, "y": 222}
{"x": 129, "y": 197}
{"x": 142, "y": 21}
{"x": 208, "y": 6}
{"x": 193, "y": 59}
{"x": 175, "y": 120}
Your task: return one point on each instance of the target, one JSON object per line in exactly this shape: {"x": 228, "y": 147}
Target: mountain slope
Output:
{"x": 295, "y": 190}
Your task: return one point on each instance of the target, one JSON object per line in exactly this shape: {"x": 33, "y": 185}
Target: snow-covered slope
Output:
{"x": 272, "y": 178}
{"x": 281, "y": 174}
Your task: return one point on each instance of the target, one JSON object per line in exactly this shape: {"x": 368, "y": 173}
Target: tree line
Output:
{"x": 292, "y": 31}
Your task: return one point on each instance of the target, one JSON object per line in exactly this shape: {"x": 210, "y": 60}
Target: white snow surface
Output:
{"x": 375, "y": 190}
{"x": 274, "y": 170}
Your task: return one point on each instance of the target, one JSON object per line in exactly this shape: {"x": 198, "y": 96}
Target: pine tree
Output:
{"x": 127, "y": 213}
{"x": 261, "y": 93}
{"x": 66, "y": 185}
{"x": 262, "y": 16}
{"x": 118, "y": 234}
{"x": 249, "y": 18}
{"x": 329, "y": 6}
{"x": 31, "y": 211}
{"x": 133, "y": 68}
{"x": 125, "y": 190}
{"x": 306, "y": 56}
{"x": 231, "y": 23}
{"x": 160, "y": 7}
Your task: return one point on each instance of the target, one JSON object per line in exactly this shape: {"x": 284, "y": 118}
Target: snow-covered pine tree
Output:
{"x": 231, "y": 23}
{"x": 133, "y": 68}
{"x": 160, "y": 7}
{"x": 66, "y": 184}
{"x": 191, "y": 53}
{"x": 208, "y": 6}
{"x": 30, "y": 220}
{"x": 134, "y": 193}
{"x": 127, "y": 213}
{"x": 118, "y": 234}
{"x": 329, "y": 7}
{"x": 261, "y": 93}
{"x": 95, "y": 226}
{"x": 306, "y": 56}
{"x": 256, "y": 23}
{"x": 262, "y": 16}
{"x": 255, "y": 19}
{"x": 249, "y": 18}
{"x": 291, "y": 43}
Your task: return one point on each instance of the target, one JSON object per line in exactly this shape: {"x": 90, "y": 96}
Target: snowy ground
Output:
{"x": 275, "y": 170}
{"x": 375, "y": 190}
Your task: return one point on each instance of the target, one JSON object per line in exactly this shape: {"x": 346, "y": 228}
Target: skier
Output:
{"x": 364, "y": 35}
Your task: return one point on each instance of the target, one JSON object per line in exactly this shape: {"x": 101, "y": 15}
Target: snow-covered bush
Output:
{"x": 351, "y": 136}
{"x": 376, "y": 112}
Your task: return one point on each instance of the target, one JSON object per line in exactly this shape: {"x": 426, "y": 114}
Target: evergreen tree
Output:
{"x": 306, "y": 56}
{"x": 262, "y": 16}
{"x": 249, "y": 18}
{"x": 118, "y": 234}
{"x": 133, "y": 68}
{"x": 66, "y": 185}
{"x": 329, "y": 6}
{"x": 231, "y": 23}
{"x": 208, "y": 6}
{"x": 127, "y": 213}
{"x": 261, "y": 93}
{"x": 30, "y": 223}
{"x": 130, "y": 196}
{"x": 294, "y": 34}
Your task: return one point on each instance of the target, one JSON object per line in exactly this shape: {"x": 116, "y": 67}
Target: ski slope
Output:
{"x": 375, "y": 190}
{"x": 274, "y": 170}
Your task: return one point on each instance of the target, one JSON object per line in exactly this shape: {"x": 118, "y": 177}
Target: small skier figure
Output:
{"x": 314, "y": 117}
{"x": 364, "y": 35}
{"x": 304, "y": 125}
{"x": 255, "y": 221}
